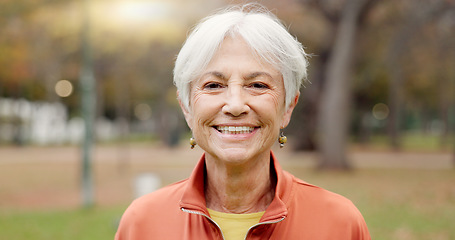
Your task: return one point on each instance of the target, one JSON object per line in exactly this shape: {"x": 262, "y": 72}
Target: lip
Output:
{"x": 235, "y": 130}
{"x": 237, "y": 124}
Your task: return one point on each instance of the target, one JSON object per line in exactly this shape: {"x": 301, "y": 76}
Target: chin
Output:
{"x": 235, "y": 156}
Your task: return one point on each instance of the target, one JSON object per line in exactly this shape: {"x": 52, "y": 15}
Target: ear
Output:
{"x": 186, "y": 112}
{"x": 287, "y": 115}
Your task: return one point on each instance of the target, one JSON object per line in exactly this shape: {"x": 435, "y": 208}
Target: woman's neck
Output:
{"x": 239, "y": 189}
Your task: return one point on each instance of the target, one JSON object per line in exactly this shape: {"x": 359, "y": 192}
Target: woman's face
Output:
{"x": 237, "y": 106}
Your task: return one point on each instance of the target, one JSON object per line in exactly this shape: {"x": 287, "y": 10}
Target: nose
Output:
{"x": 236, "y": 101}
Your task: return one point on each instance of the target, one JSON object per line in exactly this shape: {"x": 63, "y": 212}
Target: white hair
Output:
{"x": 260, "y": 29}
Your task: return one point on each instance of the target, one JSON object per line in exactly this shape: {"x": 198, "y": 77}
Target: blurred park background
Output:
{"x": 88, "y": 109}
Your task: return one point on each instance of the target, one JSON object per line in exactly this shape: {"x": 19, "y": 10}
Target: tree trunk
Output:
{"x": 444, "y": 106}
{"x": 419, "y": 16}
{"x": 335, "y": 102}
{"x": 452, "y": 127}
{"x": 305, "y": 121}
{"x": 122, "y": 120}
{"x": 444, "y": 78}
{"x": 395, "y": 105}
{"x": 305, "y": 118}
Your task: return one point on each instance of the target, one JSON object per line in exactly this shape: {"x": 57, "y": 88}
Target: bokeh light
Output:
{"x": 143, "y": 111}
{"x": 380, "y": 111}
{"x": 64, "y": 88}
{"x": 140, "y": 11}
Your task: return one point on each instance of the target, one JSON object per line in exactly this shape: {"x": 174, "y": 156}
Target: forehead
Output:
{"x": 235, "y": 52}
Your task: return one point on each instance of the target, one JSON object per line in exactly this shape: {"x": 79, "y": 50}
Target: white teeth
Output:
{"x": 234, "y": 130}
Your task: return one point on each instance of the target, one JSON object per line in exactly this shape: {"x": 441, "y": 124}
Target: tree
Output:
{"x": 418, "y": 16}
{"x": 334, "y": 113}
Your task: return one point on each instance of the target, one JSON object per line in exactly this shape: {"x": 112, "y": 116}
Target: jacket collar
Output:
{"x": 194, "y": 195}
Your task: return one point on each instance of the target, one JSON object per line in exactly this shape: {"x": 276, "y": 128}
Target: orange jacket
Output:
{"x": 298, "y": 211}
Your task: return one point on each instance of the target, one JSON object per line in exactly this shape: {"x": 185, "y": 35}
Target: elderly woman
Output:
{"x": 238, "y": 77}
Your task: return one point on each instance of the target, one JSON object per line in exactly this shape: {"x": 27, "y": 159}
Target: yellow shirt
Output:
{"x": 235, "y": 226}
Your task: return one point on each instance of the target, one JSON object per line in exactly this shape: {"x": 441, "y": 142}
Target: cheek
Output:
{"x": 278, "y": 102}
{"x": 196, "y": 100}
{"x": 204, "y": 108}
{"x": 280, "y": 106}
{"x": 270, "y": 110}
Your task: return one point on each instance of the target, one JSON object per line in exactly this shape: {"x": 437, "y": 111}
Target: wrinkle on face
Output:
{"x": 236, "y": 88}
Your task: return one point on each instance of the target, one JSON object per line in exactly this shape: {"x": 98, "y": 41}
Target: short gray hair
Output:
{"x": 261, "y": 30}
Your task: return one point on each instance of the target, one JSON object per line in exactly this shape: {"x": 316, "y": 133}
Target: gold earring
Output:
{"x": 192, "y": 142}
{"x": 282, "y": 140}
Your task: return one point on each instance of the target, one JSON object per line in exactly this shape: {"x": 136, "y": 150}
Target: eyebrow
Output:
{"x": 257, "y": 74}
{"x": 216, "y": 74}
{"x": 248, "y": 77}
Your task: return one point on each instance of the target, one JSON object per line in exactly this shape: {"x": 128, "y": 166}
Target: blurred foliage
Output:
{"x": 134, "y": 47}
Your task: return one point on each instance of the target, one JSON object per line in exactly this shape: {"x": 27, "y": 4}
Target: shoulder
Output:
{"x": 161, "y": 200}
{"x": 322, "y": 200}
{"x": 326, "y": 211}
{"x": 313, "y": 191}
{"x": 159, "y": 208}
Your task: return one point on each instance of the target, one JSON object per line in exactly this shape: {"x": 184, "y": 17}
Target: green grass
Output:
{"x": 397, "y": 204}
{"x": 96, "y": 223}
{"x": 414, "y": 142}
{"x": 400, "y": 222}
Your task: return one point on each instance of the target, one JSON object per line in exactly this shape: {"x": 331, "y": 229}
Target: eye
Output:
{"x": 213, "y": 85}
{"x": 259, "y": 85}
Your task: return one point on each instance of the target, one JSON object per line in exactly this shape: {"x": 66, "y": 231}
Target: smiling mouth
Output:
{"x": 234, "y": 129}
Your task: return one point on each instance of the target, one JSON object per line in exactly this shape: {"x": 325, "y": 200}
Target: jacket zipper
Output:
{"x": 216, "y": 224}
{"x": 263, "y": 223}
{"x": 203, "y": 214}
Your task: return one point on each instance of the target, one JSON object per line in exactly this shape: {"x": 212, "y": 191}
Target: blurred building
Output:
{"x": 44, "y": 123}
